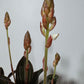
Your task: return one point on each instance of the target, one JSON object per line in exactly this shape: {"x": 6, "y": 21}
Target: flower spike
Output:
{"x": 47, "y": 13}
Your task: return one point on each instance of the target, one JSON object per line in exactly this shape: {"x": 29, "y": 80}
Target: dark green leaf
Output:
{"x": 20, "y": 71}
{"x": 35, "y": 76}
{"x": 1, "y": 71}
{"x": 49, "y": 78}
{"x": 11, "y": 74}
{"x": 5, "y": 80}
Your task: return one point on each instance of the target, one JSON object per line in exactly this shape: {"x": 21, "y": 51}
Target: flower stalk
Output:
{"x": 46, "y": 54}
{"x": 55, "y": 62}
{"x": 54, "y": 72}
{"x": 10, "y": 55}
{"x": 27, "y": 47}
{"x": 26, "y": 72}
{"x": 7, "y": 22}
{"x": 48, "y": 23}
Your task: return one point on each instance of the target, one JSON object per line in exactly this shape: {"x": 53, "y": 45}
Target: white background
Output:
{"x": 25, "y": 15}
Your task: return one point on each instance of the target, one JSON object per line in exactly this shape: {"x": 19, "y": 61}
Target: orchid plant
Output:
{"x": 24, "y": 73}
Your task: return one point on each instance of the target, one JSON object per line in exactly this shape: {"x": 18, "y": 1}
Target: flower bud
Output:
{"x": 42, "y": 11}
{"x": 57, "y": 58}
{"x": 46, "y": 11}
{"x": 42, "y": 29}
{"x": 27, "y": 40}
{"x": 44, "y": 20}
{"x": 49, "y": 42}
{"x": 50, "y": 15}
{"x": 53, "y": 23}
{"x": 7, "y": 20}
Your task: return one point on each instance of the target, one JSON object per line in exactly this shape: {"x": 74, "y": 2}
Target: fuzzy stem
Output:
{"x": 46, "y": 53}
{"x": 26, "y": 72}
{"x": 10, "y": 55}
{"x": 54, "y": 72}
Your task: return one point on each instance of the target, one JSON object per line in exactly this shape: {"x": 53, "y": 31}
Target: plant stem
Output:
{"x": 26, "y": 72}
{"x": 10, "y": 55}
{"x": 46, "y": 53}
{"x": 27, "y": 57}
{"x": 54, "y": 72}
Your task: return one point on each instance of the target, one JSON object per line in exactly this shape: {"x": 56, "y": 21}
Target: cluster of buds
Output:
{"x": 7, "y": 20}
{"x": 48, "y": 20}
{"x": 47, "y": 13}
{"x": 57, "y": 58}
{"x": 27, "y": 42}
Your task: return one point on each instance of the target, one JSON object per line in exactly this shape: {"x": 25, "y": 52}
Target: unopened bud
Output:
{"x": 44, "y": 20}
{"x": 42, "y": 29}
{"x": 57, "y": 58}
{"x": 42, "y": 11}
{"x": 50, "y": 15}
{"x": 53, "y": 23}
{"x": 46, "y": 11}
{"x": 27, "y": 40}
{"x": 49, "y": 42}
{"x": 7, "y": 20}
